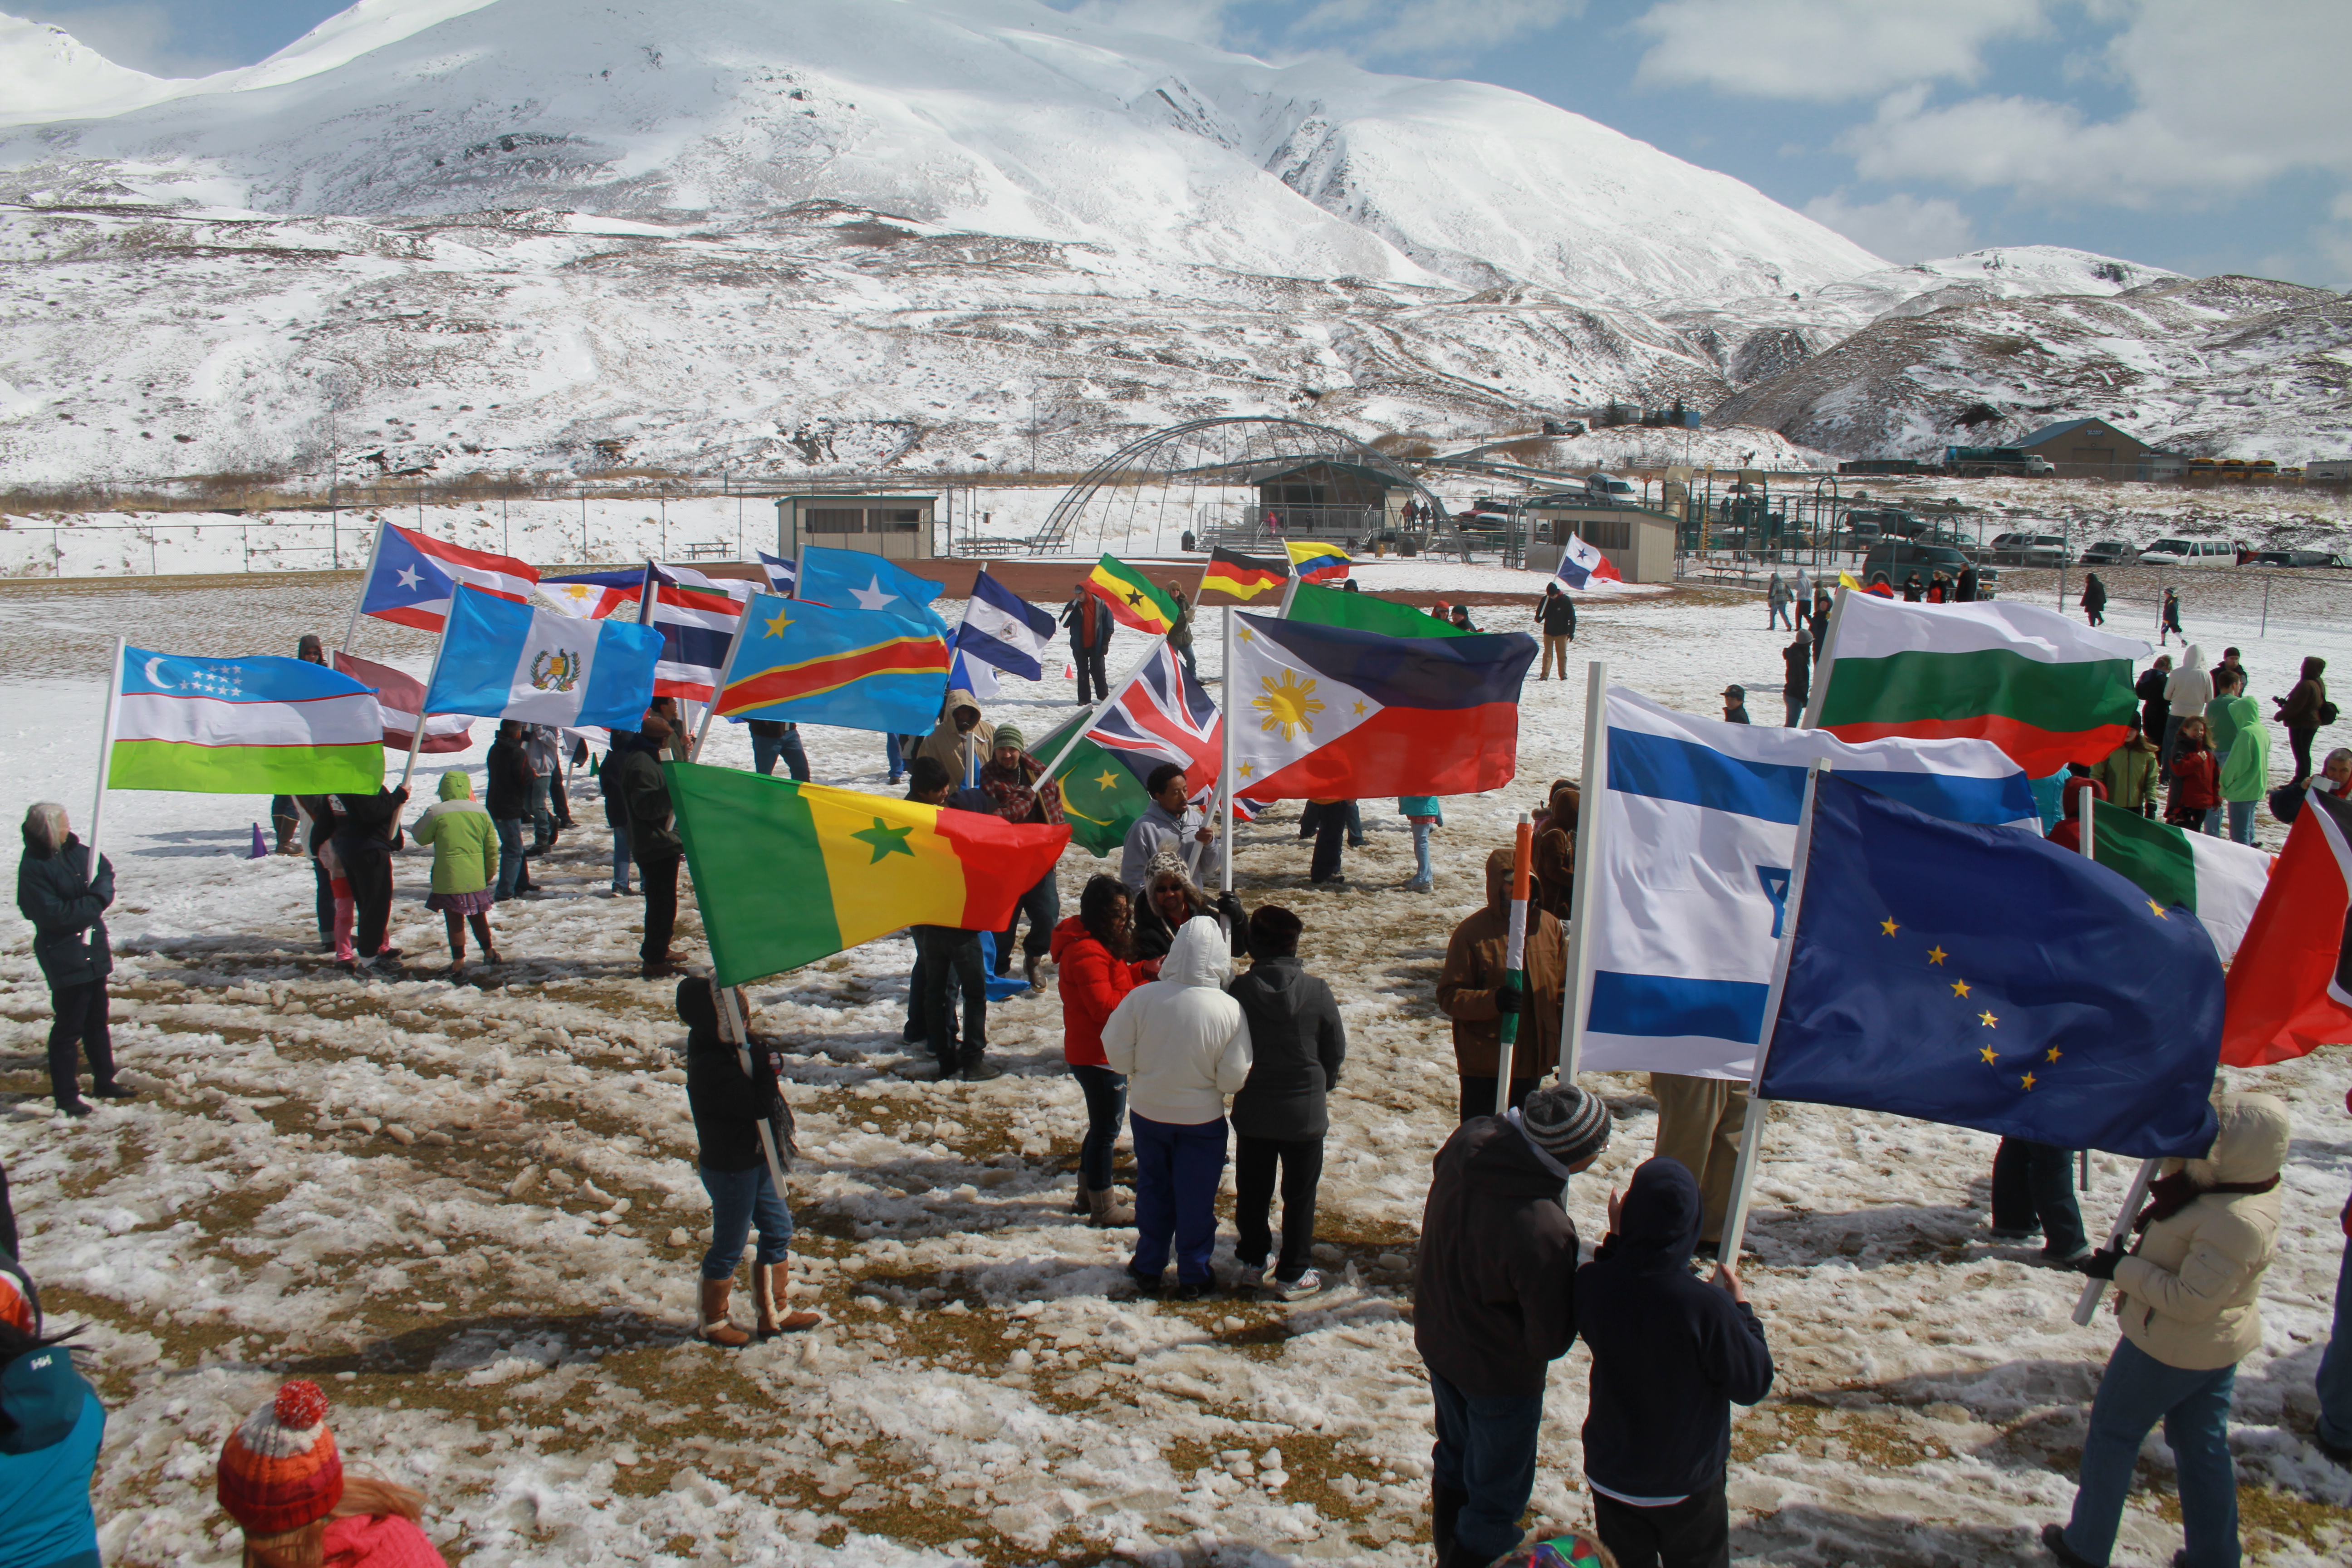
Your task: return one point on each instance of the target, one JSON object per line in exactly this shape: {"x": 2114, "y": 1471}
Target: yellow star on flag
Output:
{"x": 2028, "y": 1081}
{"x": 777, "y": 623}
{"x": 1989, "y": 1055}
{"x": 1246, "y": 769}
{"x": 1959, "y": 987}
{"x": 2055, "y": 1054}
{"x": 1246, "y": 634}
{"x": 1989, "y": 1019}
{"x": 1936, "y": 955}
{"x": 1888, "y": 926}
{"x": 1108, "y": 779}
{"x": 1359, "y": 710}
{"x": 2158, "y": 909}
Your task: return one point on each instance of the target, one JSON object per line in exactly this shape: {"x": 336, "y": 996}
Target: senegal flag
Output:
{"x": 2043, "y": 689}
{"x": 1130, "y": 595}
{"x": 1361, "y": 612}
{"x": 2216, "y": 880}
{"x": 789, "y": 873}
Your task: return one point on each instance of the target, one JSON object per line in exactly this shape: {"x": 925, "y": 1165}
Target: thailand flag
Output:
{"x": 1580, "y": 563}
{"x": 499, "y": 659}
{"x": 1003, "y": 629}
{"x": 414, "y": 575}
{"x": 1692, "y": 850}
{"x": 696, "y": 617}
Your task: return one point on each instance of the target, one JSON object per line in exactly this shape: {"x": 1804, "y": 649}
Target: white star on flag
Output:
{"x": 410, "y": 577}
{"x": 871, "y": 596}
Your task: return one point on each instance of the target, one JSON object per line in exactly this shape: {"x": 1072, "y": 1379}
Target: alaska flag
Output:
{"x": 1986, "y": 978}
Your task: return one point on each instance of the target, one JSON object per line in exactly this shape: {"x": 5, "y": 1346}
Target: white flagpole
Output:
{"x": 2084, "y": 844}
{"x": 726, "y": 672}
{"x": 1752, "y": 1134}
{"x": 351, "y": 631}
{"x": 1226, "y": 762}
{"x": 424, "y": 703}
{"x": 2087, "y": 1306}
{"x": 1515, "y": 956}
{"x": 1095, "y": 716}
{"x": 1828, "y": 656}
{"x": 105, "y": 754}
{"x": 1588, "y": 866}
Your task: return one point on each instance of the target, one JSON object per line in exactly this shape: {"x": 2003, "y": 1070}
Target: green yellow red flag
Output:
{"x": 1131, "y": 595}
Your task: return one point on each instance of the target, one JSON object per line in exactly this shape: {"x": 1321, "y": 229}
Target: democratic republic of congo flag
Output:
{"x": 805, "y": 663}
{"x": 1234, "y": 578}
{"x": 2043, "y": 689}
{"x": 788, "y": 873}
{"x": 1132, "y": 598}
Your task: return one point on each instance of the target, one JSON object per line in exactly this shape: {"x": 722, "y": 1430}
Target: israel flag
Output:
{"x": 501, "y": 660}
{"x": 1698, "y": 835}
{"x": 1003, "y": 629}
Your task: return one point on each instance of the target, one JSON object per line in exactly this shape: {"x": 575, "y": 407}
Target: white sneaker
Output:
{"x": 1307, "y": 1284}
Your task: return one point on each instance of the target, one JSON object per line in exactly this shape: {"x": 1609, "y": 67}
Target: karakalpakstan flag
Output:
{"x": 1696, "y": 840}
{"x": 788, "y": 873}
{"x": 504, "y": 660}
{"x": 1338, "y": 607}
{"x": 2043, "y": 690}
{"x": 2218, "y": 881}
{"x": 264, "y": 725}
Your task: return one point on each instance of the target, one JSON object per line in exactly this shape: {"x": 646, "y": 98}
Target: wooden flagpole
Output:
{"x": 1226, "y": 762}
{"x": 1829, "y": 657}
{"x": 1515, "y": 950}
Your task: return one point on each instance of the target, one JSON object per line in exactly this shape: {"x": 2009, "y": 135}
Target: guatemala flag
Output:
{"x": 1580, "y": 563}
{"x": 504, "y": 660}
{"x": 1001, "y": 628}
{"x": 1696, "y": 836}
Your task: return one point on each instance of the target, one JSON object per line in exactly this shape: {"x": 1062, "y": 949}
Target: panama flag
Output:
{"x": 413, "y": 573}
{"x": 1692, "y": 850}
{"x": 264, "y": 725}
{"x": 1330, "y": 712}
{"x": 1580, "y": 564}
{"x": 504, "y": 660}
{"x": 1003, "y": 629}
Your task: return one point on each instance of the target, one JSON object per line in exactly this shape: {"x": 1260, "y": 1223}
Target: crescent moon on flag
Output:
{"x": 155, "y": 679}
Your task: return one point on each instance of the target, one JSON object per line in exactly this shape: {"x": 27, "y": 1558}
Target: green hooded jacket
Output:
{"x": 2247, "y": 774}
{"x": 464, "y": 840}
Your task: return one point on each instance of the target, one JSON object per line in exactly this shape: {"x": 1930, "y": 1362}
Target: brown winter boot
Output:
{"x": 1108, "y": 1212}
{"x": 772, "y": 1290}
{"x": 711, "y": 1321}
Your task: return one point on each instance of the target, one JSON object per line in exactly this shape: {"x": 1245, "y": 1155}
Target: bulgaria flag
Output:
{"x": 263, "y": 725}
{"x": 2291, "y": 987}
{"x": 1132, "y": 599}
{"x": 1326, "y": 712}
{"x": 2043, "y": 690}
{"x": 2216, "y": 880}
{"x": 789, "y": 873}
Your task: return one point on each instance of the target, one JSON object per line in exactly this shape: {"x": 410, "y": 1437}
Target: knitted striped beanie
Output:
{"x": 20, "y": 1304}
{"x": 1565, "y": 1122}
{"x": 280, "y": 1471}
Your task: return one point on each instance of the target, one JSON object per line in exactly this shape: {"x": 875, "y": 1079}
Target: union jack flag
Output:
{"x": 1163, "y": 715}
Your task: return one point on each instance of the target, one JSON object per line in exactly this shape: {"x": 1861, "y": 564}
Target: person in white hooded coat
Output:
{"x": 1183, "y": 1046}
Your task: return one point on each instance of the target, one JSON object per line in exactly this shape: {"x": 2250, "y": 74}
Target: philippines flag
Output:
{"x": 593, "y": 595}
{"x": 1580, "y": 563}
{"x": 1001, "y": 628}
{"x": 414, "y": 575}
{"x": 1331, "y": 712}
{"x": 398, "y": 696}
{"x": 1694, "y": 849}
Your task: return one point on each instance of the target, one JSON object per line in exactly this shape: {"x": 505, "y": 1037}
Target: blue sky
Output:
{"x": 2199, "y": 136}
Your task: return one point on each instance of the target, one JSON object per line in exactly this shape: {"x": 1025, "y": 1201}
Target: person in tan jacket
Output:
{"x": 962, "y": 741}
{"x": 1471, "y": 992}
{"x": 2187, "y": 1299}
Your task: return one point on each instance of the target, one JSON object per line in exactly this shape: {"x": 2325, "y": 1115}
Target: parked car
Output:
{"x": 1898, "y": 558}
{"x": 2298, "y": 558}
{"x": 2190, "y": 551}
{"x": 2027, "y": 550}
{"x": 1609, "y": 488}
{"x": 2109, "y": 552}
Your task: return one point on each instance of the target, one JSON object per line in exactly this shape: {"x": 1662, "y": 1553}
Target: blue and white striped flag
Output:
{"x": 1003, "y": 629}
{"x": 501, "y": 660}
{"x": 1698, "y": 838}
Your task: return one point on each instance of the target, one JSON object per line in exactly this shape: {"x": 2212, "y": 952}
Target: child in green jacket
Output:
{"x": 465, "y": 866}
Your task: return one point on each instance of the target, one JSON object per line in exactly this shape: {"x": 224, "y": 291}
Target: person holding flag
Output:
{"x": 64, "y": 888}
{"x": 1475, "y": 989}
{"x": 1168, "y": 822}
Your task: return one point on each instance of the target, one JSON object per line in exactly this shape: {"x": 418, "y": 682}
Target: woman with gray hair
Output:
{"x": 65, "y": 896}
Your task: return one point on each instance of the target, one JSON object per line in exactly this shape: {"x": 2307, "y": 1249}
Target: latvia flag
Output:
{"x": 2290, "y": 985}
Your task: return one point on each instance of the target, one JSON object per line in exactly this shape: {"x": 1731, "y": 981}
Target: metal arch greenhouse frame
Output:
{"x": 1157, "y": 460}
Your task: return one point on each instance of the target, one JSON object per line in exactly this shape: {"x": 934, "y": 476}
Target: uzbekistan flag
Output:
{"x": 2290, "y": 990}
{"x": 789, "y": 873}
{"x": 1580, "y": 563}
{"x": 807, "y": 663}
{"x": 2043, "y": 690}
{"x": 398, "y": 696}
{"x": 416, "y": 573}
{"x": 264, "y": 725}
{"x": 1132, "y": 599}
{"x": 1317, "y": 562}
{"x": 1238, "y": 579}
{"x": 2218, "y": 882}
{"x": 1328, "y": 712}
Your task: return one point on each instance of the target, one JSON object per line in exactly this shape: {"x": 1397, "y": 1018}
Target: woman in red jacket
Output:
{"x": 1093, "y": 957}
{"x": 2196, "y": 778}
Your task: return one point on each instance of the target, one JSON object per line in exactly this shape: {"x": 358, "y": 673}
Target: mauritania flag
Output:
{"x": 2218, "y": 882}
{"x": 789, "y": 873}
{"x": 504, "y": 660}
{"x": 2043, "y": 690}
{"x": 264, "y": 725}
{"x": 807, "y": 663}
{"x": 1132, "y": 597}
{"x": 1162, "y": 715}
{"x": 1328, "y": 712}
{"x": 1338, "y": 607}
{"x": 1696, "y": 838}
{"x": 1994, "y": 980}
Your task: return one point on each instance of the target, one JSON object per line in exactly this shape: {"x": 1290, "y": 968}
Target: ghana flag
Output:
{"x": 789, "y": 873}
{"x": 1363, "y": 613}
{"x": 1238, "y": 579}
{"x": 1130, "y": 595}
{"x": 2043, "y": 690}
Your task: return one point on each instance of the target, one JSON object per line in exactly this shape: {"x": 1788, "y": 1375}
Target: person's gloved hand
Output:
{"x": 1230, "y": 906}
{"x": 2101, "y": 1264}
{"x": 1510, "y": 1000}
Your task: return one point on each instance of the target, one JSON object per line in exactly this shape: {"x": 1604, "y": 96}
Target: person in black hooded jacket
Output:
{"x": 1297, "y": 1046}
{"x": 64, "y": 890}
{"x": 1669, "y": 1356}
{"x": 365, "y": 834}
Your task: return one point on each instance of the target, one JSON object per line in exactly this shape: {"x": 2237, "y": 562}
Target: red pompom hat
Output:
{"x": 280, "y": 1471}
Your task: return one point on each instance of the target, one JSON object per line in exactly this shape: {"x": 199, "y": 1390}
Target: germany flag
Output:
{"x": 1234, "y": 578}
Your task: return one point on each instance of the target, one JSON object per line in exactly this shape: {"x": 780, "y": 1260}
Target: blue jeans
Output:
{"x": 1421, "y": 853}
{"x": 2241, "y": 821}
{"x": 1043, "y": 905}
{"x": 542, "y": 819}
{"x": 897, "y": 758}
{"x": 620, "y": 856}
{"x": 1486, "y": 1450}
{"x": 766, "y": 751}
{"x": 1779, "y": 616}
{"x": 2164, "y": 752}
{"x": 2137, "y": 1392}
{"x": 512, "y": 875}
{"x": 1177, "y": 1168}
{"x": 2335, "y": 1364}
{"x": 738, "y": 1200}
{"x": 1106, "y": 1094}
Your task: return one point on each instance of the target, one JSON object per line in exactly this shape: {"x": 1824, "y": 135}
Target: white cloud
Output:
{"x": 1902, "y": 227}
{"x": 1826, "y": 50}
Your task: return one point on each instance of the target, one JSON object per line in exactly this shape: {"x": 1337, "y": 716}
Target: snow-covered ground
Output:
{"x": 471, "y": 1210}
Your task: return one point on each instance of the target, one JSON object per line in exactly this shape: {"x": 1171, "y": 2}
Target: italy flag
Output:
{"x": 264, "y": 725}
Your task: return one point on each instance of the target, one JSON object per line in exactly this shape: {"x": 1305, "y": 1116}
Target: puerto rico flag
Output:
{"x": 414, "y": 575}
{"x": 1580, "y": 564}
{"x": 1332, "y": 713}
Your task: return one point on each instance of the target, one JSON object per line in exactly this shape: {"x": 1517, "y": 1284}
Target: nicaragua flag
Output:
{"x": 504, "y": 660}
{"x": 781, "y": 573}
{"x": 1695, "y": 843}
{"x": 1580, "y": 564}
{"x": 414, "y": 573}
{"x": 807, "y": 663}
{"x": 1001, "y": 628}
{"x": 854, "y": 580}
